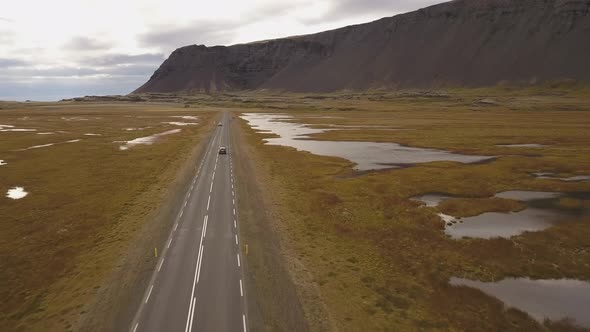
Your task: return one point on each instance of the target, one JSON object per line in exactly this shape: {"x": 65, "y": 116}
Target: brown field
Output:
{"x": 86, "y": 205}
{"x": 330, "y": 248}
{"x": 379, "y": 261}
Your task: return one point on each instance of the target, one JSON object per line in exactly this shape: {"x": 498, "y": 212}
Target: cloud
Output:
{"x": 10, "y": 72}
{"x": 340, "y": 9}
{"x": 7, "y": 63}
{"x": 209, "y": 33}
{"x": 125, "y": 59}
{"x": 52, "y": 89}
{"x": 80, "y": 43}
{"x": 131, "y": 70}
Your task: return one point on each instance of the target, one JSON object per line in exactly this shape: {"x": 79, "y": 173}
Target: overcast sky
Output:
{"x": 65, "y": 48}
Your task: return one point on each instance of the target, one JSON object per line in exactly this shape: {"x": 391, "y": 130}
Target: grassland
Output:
{"x": 380, "y": 261}
{"x": 88, "y": 207}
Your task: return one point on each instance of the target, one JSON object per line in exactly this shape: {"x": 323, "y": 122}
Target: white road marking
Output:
{"x": 238, "y": 255}
{"x": 195, "y": 281}
{"x": 233, "y": 201}
{"x": 161, "y": 263}
{"x": 211, "y": 188}
{"x": 234, "y": 211}
{"x": 181, "y": 212}
{"x": 235, "y": 223}
{"x": 192, "y": 313}
{"x": 205, "y": 226}
{"x": 169, "y": 242}
{"x": 185, "y": 204}
{"x": 233, "y": 193}
{"x": 149, "y": 293}
{"x": 175, "y": 226}
{"x": 200, "y": 261}
{"x": 208, "y": 201}
{"x": 244, "y": 321}
{"x": 135, "y": 328}
{"x": 236, "y": 239}
{"x": 241, "y": 290}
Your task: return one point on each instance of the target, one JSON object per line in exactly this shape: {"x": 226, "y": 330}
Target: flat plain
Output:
{"x": 90, "y": 198}
{"x": 376, "y": 258}
{"x": 345, "y": 246}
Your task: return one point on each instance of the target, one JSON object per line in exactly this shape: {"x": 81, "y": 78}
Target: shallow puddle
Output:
{"x": 541, "y": 213}
{"x": 16, "y": 193}
{"x": 17, "y": 130}
{"x": 366, "y": 155}
{"x": 527, "y": 196}
{"x": 185, "y": 117}
{"x": 498, "y": 224}
{"x": 48, "y": 145}
{"x": 181, "y": 123}
{"x": 148, "y": 140}
{"x": 530, "y": 145}
{"x": 554, "y": 299}
{"x": 432, "y": 200}
{"x": 551, "y": 176}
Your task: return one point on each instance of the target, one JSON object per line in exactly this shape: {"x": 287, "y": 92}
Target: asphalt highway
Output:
{"x": 197, "y": 284}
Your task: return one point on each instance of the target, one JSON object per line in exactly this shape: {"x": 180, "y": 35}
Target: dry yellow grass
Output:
{"x": 380, "y": 260}
{"x": 86, "y": 201}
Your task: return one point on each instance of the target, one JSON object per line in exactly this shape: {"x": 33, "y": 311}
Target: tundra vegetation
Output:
{"x": 87, "y": 204}
{"x": 382, "y": 261}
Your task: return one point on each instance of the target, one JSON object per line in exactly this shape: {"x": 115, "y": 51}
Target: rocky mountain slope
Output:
{"x": 458, "y": 43}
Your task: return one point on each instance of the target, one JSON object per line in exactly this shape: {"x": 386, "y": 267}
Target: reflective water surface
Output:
{"x": 554, "y": 299}
{"x": 147, "y": 140}
{"x": 542, "y": 212}
{"x": 432, "y": 200}
{"x": 366, "y": 155}
{"x": 16, "y": 193}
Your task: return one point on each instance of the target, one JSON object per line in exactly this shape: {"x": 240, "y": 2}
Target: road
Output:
{"x": 197, "y": 284}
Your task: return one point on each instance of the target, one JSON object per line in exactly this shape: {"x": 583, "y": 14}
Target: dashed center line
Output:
{"x": 149, "y": 293}
{"x": 238, "y": 255}
{"x": 241, "y": 290}
{"x": 161, "y": 263}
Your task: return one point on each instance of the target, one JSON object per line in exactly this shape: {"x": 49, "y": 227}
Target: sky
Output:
{"x": 57, "y": 49}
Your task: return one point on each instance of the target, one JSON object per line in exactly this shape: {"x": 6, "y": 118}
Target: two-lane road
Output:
{"x": 197, "y": 284}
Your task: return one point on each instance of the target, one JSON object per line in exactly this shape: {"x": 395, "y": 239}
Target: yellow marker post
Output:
{"x": 156, "y": 252}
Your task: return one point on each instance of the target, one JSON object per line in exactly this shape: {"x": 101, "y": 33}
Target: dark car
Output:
{"x": 222, "y": 150}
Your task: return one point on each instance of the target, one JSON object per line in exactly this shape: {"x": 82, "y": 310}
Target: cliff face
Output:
{"x": 458, "y": 43}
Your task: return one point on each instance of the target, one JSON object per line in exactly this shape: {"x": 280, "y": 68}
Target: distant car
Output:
{"x": 220, "y": 124}
{"x": 222, "y": 150}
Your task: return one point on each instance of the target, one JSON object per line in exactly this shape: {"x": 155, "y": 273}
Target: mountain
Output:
{"x": 458, "y": 43}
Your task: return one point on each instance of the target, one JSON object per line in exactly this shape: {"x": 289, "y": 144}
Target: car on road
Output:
{"x": 222, "y": 150}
